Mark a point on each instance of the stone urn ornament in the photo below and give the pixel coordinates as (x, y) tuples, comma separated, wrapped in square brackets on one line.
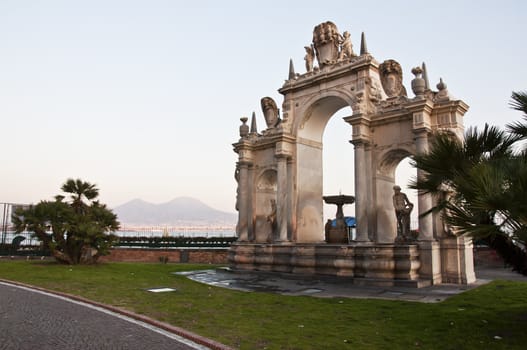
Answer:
[(418, 83), (244, 128)]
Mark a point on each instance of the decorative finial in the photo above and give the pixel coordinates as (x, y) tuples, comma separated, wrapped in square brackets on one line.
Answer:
[(292, 74), (443, 93), (441, 85), (253, 124), (425, 76), (363, 46), (417, 71), (418, 83), (244, 128)]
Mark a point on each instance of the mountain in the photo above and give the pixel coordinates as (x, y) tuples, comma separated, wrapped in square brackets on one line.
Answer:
[(182, 211)]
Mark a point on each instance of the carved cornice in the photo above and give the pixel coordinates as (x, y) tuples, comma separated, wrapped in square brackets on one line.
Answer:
[(263, 142), (328, 73), (457, 106)]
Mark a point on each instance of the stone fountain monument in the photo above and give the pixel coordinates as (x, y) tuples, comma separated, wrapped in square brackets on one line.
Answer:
[(279, 172)]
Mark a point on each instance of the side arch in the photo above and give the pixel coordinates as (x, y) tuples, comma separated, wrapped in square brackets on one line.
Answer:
[(384, 181)]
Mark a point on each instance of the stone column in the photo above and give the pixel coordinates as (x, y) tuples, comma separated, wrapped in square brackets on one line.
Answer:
[(291, 216), (429, 251), (426, 223), (243, 202), (281, 197), (361, 212)]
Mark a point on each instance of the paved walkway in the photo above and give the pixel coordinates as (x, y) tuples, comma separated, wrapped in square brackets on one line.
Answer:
[(32, 319)]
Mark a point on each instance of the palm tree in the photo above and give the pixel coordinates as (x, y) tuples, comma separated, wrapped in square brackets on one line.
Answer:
[(79, 190), (74, 232), (519, 103), (480, 186)]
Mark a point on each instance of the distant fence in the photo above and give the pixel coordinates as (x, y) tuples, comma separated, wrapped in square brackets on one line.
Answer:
[(176, 231), (175, 237)]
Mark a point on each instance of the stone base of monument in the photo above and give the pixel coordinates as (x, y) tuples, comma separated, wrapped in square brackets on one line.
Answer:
[(337, 235), (457, 255), (361, 263)]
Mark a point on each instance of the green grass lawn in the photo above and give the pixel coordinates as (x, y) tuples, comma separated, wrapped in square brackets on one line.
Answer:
[(493, 316)]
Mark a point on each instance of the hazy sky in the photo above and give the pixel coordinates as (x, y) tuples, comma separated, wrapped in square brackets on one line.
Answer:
[(143, 98)]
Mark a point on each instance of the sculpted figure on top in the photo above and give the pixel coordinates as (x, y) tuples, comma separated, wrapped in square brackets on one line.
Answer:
[(270, 111), (309, 58), (329, 46), (346, 49), (392, 78)]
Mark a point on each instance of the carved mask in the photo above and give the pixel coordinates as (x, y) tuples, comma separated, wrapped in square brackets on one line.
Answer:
[(270, 111)]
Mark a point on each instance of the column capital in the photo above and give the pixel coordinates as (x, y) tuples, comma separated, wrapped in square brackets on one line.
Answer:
[(244, 164), (422, 133), (283, 149), (282, 156), (358, 143)]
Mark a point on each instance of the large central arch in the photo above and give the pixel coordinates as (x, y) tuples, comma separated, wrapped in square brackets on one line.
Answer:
[(309, 160), (280, 171)]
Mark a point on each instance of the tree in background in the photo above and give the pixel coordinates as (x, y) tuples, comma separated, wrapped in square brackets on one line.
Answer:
[(77, 231), (480, 185)]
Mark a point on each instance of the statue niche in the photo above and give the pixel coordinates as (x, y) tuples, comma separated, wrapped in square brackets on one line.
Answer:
[(265, 221), (392, 78)]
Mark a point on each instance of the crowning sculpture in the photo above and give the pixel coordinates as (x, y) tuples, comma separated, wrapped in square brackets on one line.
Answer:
[(279, 173)]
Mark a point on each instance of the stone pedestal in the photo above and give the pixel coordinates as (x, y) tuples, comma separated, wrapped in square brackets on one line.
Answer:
[(364, 264), (430, 259), (457, 265), (337, 235)]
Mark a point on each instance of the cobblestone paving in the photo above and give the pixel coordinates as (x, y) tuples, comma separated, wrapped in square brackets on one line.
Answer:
[(32, 320)]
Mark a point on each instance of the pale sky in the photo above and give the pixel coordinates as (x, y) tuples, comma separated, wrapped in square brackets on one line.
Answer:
[(143, 98)]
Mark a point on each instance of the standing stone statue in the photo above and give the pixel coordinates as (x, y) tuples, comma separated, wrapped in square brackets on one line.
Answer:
[(237, 178), (309, 58), (403, 208), (346, 50), (271, 218)]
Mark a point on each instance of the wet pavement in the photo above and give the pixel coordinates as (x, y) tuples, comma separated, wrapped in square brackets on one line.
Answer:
[(288, 284)]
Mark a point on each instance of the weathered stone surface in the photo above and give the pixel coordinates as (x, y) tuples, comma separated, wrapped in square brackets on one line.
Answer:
[(283, 165)]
